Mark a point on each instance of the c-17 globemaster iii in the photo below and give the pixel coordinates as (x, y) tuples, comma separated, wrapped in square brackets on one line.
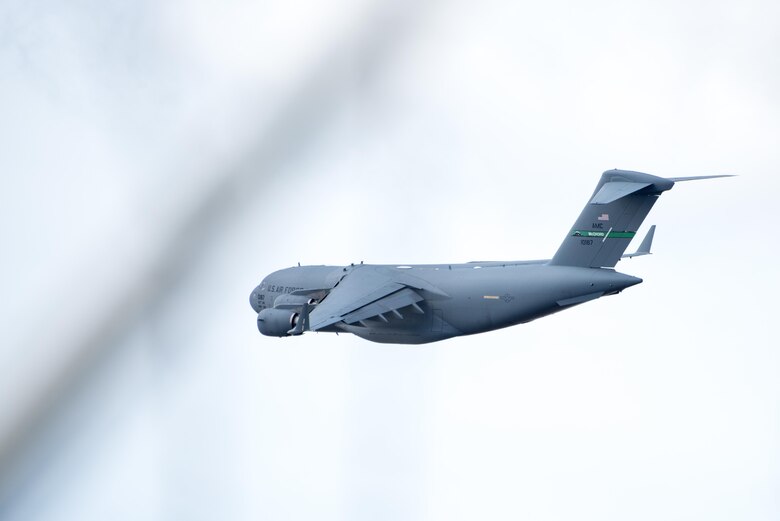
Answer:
[(416, 304)]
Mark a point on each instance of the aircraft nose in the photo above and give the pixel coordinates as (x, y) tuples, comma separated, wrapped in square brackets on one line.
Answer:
[(254, 299)]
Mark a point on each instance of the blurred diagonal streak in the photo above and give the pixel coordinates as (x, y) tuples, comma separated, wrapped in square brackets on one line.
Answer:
[(340, 72)]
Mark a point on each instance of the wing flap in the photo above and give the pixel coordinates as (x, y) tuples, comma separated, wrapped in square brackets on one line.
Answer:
[(393, 302)]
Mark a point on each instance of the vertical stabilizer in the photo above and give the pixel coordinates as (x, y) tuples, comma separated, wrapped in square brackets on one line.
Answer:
[(609, 221)]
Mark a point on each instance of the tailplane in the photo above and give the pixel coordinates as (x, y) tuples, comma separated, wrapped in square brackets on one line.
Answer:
[(609, 221)]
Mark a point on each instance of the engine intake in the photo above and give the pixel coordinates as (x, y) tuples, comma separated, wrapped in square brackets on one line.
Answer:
[(276, 322)]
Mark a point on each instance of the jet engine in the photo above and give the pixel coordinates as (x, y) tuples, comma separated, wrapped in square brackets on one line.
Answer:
[(276, 322)]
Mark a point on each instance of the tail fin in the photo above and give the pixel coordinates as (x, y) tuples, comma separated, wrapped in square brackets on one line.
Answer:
[(609, 221)]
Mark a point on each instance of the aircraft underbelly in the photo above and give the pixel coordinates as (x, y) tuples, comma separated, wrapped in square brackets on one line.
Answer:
[(501, 297)]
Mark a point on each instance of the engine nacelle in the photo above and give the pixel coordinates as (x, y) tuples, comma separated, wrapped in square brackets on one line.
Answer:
[(276, 322)]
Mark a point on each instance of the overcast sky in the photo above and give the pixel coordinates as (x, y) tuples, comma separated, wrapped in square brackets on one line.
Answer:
[(160, 160)]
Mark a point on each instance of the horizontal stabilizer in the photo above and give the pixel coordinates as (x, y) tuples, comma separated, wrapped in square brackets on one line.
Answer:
[(644, 248), (614, 190), (697, 177)]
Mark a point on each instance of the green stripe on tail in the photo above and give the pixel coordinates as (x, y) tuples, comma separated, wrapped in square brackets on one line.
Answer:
[(601, 235)]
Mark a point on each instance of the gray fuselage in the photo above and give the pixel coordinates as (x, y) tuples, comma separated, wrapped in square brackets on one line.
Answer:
[(470, 298)]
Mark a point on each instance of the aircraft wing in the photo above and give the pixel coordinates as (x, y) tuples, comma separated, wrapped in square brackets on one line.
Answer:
[(644, 248), (364, 292)]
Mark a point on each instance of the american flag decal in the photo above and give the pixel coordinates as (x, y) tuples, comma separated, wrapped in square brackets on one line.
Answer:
[(603, 217)]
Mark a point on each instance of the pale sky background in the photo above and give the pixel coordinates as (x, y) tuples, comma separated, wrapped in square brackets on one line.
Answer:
[(159, 159)]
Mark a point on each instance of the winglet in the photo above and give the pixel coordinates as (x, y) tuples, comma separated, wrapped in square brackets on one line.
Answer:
[(644, 248)]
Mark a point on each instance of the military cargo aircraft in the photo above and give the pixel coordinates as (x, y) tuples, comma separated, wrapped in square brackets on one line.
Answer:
[(416, 304)]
